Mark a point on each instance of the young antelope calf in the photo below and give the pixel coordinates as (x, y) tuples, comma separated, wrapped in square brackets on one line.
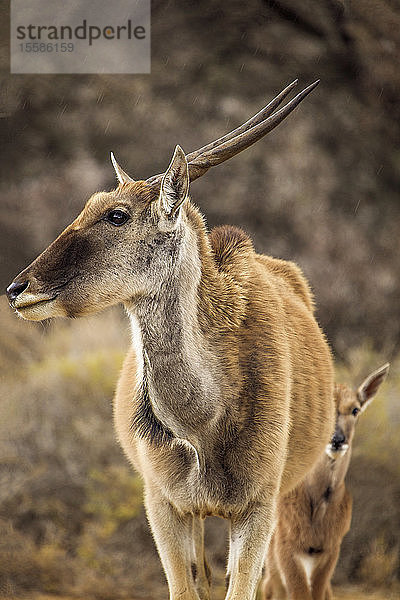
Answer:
[(225, 398), (314, 517)]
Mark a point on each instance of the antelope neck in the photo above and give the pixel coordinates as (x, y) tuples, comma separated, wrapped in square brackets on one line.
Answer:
[(178, 368)]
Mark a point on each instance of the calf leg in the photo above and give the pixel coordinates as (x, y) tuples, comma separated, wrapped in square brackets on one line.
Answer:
[(296, 582), (329, 593), (272, 587), (173, 538), (320, 583)]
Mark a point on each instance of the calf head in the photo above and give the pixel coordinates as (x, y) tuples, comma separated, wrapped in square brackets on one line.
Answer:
[(350, 404)]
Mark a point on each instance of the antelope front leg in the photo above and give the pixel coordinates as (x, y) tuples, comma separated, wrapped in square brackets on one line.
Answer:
[(200, 569), (173, 536), (250, 536)]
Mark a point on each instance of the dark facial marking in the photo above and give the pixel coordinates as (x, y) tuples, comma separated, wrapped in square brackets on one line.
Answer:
[(63, 261)]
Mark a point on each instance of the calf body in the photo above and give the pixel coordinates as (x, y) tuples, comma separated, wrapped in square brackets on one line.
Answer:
[(315, 516)]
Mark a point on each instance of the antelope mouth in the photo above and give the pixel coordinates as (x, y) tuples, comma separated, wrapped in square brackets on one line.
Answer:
[(31, 301), (335, 452)]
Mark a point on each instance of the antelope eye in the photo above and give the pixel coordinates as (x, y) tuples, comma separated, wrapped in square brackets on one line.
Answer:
[(117, 217), (355, 412)]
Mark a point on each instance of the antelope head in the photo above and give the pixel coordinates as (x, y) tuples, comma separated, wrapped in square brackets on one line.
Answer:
[(125, 243), (350, 404)]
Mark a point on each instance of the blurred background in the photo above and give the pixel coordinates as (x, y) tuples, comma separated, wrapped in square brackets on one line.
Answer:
[(322, 190)]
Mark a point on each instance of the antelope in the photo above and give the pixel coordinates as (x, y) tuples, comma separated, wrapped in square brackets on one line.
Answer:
[(225, 398), (315, 516)]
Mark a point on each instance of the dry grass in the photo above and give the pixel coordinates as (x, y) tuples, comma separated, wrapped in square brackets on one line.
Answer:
[(322, 190), (345, 593), (71, 520)]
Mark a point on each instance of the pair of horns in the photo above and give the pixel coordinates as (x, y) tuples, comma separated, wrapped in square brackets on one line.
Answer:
[(218, 151)]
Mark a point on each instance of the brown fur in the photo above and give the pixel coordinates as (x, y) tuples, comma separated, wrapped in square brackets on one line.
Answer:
[(316, 515), (225, 398)]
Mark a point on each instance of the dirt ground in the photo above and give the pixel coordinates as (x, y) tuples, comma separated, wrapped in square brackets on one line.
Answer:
[(353, 593), (347, 593)]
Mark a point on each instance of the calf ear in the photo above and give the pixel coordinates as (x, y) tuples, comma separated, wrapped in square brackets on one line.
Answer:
[(174, 185), (369, 387)]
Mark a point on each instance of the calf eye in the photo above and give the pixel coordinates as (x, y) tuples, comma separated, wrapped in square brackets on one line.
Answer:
[(355, 412), (117, 217)]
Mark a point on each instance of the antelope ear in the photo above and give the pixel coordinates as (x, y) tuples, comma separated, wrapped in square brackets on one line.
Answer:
[(174, 185), (369, 387), (120, 173)]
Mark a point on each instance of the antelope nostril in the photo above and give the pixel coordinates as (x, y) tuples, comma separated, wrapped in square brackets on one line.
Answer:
[(15, 289), (338, 439)]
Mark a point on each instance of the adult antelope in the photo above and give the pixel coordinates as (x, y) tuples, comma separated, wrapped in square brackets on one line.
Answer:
[(225, 397), (315, 516)]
